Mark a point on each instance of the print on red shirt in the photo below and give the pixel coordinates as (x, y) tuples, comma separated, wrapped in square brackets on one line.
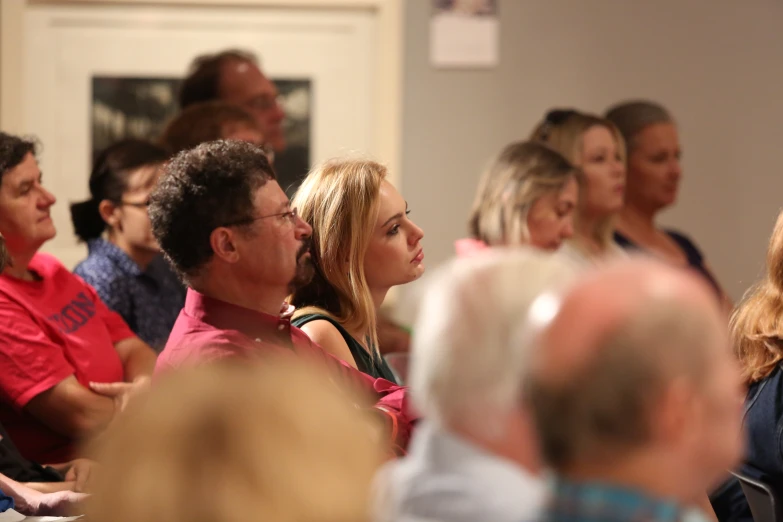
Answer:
[(74, 315), (51, 329)]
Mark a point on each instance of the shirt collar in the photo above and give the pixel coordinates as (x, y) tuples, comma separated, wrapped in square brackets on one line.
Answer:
[(446, 451), (257, 325), (607, 502), (101, 247)]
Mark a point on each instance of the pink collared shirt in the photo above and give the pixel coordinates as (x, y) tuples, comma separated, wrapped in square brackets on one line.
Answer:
[(209, 330)]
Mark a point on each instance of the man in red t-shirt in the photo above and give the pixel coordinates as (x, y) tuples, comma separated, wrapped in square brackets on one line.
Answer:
[(225, 224), (56, 336)]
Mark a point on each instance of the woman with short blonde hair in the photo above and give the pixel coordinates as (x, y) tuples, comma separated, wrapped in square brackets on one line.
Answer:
[(238, 442), (363, 243), (526, 196), (595, 146)]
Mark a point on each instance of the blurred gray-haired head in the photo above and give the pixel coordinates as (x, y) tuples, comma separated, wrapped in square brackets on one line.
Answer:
[(470, 351), (632, 117)]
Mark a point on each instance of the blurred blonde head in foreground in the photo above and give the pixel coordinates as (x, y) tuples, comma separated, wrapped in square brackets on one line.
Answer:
[(236, 443)]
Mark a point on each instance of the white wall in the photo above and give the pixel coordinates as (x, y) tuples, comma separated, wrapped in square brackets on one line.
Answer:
[(716, 64)]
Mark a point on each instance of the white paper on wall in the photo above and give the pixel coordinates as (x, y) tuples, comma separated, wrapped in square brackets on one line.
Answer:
[(464, 33)]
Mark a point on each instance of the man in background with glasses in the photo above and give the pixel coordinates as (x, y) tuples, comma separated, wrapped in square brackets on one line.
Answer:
[(234, 76)]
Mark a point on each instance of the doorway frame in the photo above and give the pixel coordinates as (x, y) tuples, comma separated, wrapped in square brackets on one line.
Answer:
[(388, 72)]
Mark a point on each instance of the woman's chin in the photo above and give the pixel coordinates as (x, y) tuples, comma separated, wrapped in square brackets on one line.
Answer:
[(411, 276), (667, 201), (49, 231), (44, 236)]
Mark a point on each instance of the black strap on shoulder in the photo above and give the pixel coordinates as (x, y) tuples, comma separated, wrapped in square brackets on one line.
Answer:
[(308, 318)]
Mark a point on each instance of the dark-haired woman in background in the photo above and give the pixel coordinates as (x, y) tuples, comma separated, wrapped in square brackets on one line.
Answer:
[(125, 265), (61, 347)]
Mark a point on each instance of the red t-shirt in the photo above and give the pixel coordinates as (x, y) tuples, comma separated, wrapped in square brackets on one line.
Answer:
[(51, 329)]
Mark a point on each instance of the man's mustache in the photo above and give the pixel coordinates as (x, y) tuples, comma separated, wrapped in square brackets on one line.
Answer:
[(305, 248)]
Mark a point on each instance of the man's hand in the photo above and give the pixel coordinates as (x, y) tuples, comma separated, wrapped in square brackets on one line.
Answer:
[(34, 503), (79, 474), (121, 392), (58, 504), (76, 474)]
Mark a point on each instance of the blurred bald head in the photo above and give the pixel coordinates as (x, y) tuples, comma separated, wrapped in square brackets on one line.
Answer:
[(636, 357), (628, 296)]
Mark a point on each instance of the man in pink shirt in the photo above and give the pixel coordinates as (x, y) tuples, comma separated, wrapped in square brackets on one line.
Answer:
[(227, 227)]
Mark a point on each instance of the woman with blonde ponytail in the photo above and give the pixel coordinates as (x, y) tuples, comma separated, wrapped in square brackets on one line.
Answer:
[(757, 336), (363, 243), (595, 146)]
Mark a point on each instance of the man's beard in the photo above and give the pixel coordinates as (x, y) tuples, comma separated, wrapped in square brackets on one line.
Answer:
[(304, 268), (5, 257)]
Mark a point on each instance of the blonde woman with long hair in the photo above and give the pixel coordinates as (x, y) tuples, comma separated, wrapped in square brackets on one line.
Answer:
[(526, 196), (238, 442), (595, 146), (757, 336), (363, 243)]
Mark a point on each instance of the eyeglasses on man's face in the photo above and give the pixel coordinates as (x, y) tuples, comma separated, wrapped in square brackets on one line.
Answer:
[(135, 204), (291, 215), (264, 102)]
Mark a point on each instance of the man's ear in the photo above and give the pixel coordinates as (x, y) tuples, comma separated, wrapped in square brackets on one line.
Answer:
[(110, 213), (223, 243), (675, 413)]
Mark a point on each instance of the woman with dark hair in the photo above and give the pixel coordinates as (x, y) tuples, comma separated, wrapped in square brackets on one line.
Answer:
[(125, 265), (62, 349), (210, 121)]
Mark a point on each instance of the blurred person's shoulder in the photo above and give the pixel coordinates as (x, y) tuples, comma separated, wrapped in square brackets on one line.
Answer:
[(446, 479)]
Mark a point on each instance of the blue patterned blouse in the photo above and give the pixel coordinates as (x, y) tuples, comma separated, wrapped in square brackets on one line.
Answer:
[(149, 301)]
